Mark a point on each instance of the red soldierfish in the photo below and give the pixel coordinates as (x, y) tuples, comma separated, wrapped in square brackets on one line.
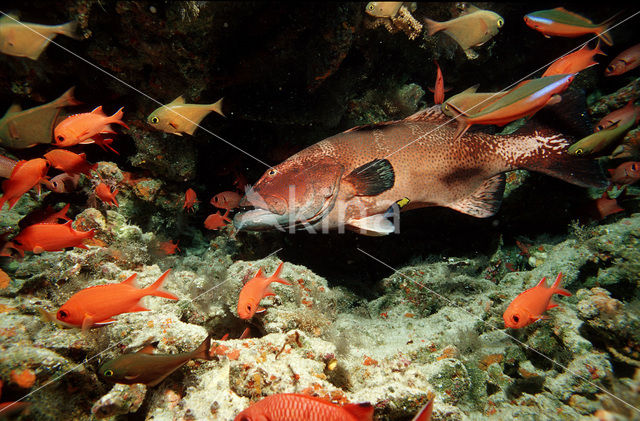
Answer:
[(353, 178), (106, 195), (524, 100), (24, 176), (621, 117), (627, 60), (574, 62), (438, 89), (528, 307), (190, 199), (70, 162), (560, 22), (226, 200), (49, 237), (216, 220), (255, 290), (80, 128), (625, 173), (95, 306), (294, 406)]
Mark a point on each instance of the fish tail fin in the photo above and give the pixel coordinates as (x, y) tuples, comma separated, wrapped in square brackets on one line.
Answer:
[(154, 289), (547, 152), (203, 352), (67, 99), (598, 50), (556, 287), (603, 30), (69, 29), (432, 26), (117, 118), (217, 107), (276, 275)]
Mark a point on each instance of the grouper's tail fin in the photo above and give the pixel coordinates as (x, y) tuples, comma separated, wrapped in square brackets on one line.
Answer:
[(546, 152)]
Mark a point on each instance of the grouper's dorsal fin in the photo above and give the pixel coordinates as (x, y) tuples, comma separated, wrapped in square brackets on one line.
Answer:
[(371, 126), (485, 201), (433, 114)]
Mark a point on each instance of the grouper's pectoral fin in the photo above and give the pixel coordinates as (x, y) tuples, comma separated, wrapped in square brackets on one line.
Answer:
[(485, 201), (374, 225), (372, 178)]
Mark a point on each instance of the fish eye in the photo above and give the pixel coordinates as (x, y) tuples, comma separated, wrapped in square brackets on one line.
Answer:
[(500, 23), (272, 172), (600, 127), (108, 373), (609, 68), (62, 314), (634, 167), (155, 120), (60, 138), (370, 6), (446, 107), (579, 151), (516, 319)]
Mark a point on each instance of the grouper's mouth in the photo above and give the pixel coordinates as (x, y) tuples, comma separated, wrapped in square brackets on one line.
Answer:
[(258, 218)]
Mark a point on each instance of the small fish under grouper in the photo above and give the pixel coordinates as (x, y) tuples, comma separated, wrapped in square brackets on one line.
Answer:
[(148, 368), (352, 179)]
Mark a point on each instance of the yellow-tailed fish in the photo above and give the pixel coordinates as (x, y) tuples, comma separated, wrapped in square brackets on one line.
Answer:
[(599, 140), (470, 101), (472, 29), (524, 100), (148, 368), (24, 128), (22, 39), (178, 117), (383, 9)]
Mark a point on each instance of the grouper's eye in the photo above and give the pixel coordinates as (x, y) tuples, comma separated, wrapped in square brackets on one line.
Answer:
[(108, 373), (62, 314), (155, 120)]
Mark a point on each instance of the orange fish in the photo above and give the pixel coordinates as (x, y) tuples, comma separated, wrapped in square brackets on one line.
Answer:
[(65, 183), (621, 116), (574, 62), (560, 22), (226, 200), (168, 247), (294, 406), (106, 195), (96, 306), (625, 173), (70, 162), (24, 176), (627, 60), (524, 100), (215, 220), (528, 307), (45, 216), (80, 128), (104, 143), (49, 237), (438, 90), (190, 199), (255, 290)]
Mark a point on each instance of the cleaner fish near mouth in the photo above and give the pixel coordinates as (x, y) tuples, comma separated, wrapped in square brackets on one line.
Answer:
[(354, 178)]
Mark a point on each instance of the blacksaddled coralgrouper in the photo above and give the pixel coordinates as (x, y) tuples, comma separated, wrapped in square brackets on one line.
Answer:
[(352, 179)]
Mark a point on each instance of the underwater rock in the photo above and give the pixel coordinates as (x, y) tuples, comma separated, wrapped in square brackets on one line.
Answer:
[(122, 399)]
